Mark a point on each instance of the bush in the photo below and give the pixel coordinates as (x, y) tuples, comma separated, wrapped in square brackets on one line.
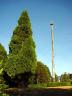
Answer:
[(2, 94), (71, 81), (3, 86)]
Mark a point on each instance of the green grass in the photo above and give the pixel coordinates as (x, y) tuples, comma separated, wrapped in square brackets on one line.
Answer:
[(50, 84), (55, 84), (40, 85)]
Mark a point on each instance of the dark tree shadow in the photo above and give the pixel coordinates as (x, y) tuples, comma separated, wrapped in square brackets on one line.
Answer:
[(39, 92)]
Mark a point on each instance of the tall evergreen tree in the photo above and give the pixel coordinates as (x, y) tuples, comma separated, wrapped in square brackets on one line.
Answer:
[(22, 56), (21, 33)]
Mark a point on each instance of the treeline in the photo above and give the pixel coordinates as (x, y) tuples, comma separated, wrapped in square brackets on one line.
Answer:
[(20, 67), (66, 77)]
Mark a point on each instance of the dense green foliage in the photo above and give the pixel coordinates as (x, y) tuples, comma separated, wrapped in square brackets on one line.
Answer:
[(70, 76), (3, 53), (56, 78), (3, 86), (3, 58), (21, 33), (65, 77), (21, 61), (42, 73), (22, 56), (3, 94)]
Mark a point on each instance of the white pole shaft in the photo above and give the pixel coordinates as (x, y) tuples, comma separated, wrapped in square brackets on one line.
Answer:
[(53, 66)]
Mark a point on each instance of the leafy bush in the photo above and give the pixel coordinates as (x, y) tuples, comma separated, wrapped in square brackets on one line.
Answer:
[(2, 94), (3, 86), (43, 74)]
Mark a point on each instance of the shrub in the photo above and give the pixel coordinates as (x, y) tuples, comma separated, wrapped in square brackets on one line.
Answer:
[(3, 94), (3, 86)]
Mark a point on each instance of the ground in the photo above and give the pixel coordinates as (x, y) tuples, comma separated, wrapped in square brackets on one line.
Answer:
[(50, 91)]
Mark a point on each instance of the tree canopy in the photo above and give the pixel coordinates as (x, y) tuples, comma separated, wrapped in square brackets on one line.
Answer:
[(43, 73), (21, 33), (3, 53), (65, 77), (22, 55), (56, 78)]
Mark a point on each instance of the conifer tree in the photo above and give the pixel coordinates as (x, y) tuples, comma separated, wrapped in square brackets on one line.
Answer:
[(3, 53), (21, 33), (22, 56)]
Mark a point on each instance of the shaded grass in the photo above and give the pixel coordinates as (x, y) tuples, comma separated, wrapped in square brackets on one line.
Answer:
[(39, 92)]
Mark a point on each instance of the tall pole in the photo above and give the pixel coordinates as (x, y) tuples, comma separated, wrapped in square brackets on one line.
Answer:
[(53, 65)]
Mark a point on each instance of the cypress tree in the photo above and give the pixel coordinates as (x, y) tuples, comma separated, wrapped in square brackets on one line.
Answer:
[(22, 56), (21, 33), (3, 53)]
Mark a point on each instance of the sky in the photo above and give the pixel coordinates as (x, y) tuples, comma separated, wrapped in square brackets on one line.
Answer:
[(41, 13)]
